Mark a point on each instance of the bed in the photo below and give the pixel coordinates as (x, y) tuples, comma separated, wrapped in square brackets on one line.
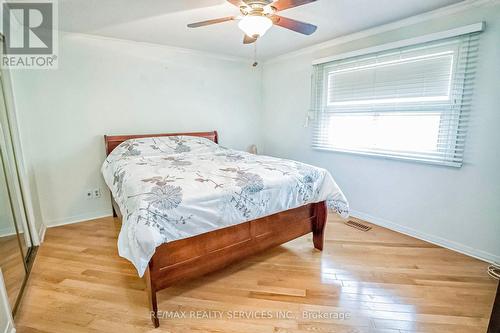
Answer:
[(189, 206)]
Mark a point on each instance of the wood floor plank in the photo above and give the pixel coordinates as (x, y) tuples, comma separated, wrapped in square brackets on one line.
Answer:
[(380, 282), (12, 266)]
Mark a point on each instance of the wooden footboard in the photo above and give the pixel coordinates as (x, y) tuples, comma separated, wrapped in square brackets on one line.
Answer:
[(195, 256)]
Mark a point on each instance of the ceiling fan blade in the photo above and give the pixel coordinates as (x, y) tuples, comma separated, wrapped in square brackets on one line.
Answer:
[(298, 26), (286, 4), (237, 3), (209, 22), (249, 40)]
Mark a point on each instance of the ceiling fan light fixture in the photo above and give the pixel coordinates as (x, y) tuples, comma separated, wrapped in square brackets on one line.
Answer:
[(255, 25)]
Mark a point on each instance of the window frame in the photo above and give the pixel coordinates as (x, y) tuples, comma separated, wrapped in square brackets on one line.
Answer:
[(448, 150)]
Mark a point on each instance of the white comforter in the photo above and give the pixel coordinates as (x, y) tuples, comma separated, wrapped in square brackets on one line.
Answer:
[(170, 188)]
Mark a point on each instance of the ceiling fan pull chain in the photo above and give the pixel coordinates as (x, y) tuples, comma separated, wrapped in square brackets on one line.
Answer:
[(255, 62)]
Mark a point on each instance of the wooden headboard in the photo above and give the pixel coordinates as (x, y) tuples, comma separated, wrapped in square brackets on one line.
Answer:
[(112, 141)]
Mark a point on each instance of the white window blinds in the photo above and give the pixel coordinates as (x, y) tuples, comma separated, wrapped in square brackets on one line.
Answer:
[(409, 103)]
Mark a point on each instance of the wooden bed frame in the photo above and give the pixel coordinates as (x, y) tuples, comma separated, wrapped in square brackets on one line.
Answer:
[(198, 255)]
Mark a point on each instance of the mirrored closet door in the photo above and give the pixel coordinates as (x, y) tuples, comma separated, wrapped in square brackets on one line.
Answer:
[(16, 243), (12, 246)]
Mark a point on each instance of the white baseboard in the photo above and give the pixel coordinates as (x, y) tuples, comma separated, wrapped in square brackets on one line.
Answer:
[(4, 232), (79, 218), (41, 233), (446, 243)]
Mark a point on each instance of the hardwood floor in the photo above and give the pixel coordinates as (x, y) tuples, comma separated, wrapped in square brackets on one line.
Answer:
[(12, 265), (380, 280)]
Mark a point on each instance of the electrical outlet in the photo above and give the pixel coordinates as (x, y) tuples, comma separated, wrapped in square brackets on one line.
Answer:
[(89, 194), (97, 193)]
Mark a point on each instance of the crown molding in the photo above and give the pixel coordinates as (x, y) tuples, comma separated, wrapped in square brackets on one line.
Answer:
[(448, 10), (471, 28), (213, 55)]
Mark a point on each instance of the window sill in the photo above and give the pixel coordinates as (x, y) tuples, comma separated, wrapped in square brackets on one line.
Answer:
[(392, 157)]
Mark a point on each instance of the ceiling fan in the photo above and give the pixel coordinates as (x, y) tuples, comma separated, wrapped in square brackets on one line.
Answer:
[(258, 16)]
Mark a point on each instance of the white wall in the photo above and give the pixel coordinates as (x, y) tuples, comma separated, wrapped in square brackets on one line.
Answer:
[(6, 219), (458, 208), (106, 86)]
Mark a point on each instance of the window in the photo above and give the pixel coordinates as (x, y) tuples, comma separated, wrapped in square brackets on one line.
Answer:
[(408, 103)]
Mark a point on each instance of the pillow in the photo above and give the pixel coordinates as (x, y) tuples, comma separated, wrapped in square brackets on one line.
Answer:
[(154, 146)]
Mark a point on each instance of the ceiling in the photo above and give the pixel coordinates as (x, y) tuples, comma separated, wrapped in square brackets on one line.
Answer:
[(164, 22)]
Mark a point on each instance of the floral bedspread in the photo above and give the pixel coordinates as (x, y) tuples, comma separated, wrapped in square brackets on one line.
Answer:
[(170, 188)]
